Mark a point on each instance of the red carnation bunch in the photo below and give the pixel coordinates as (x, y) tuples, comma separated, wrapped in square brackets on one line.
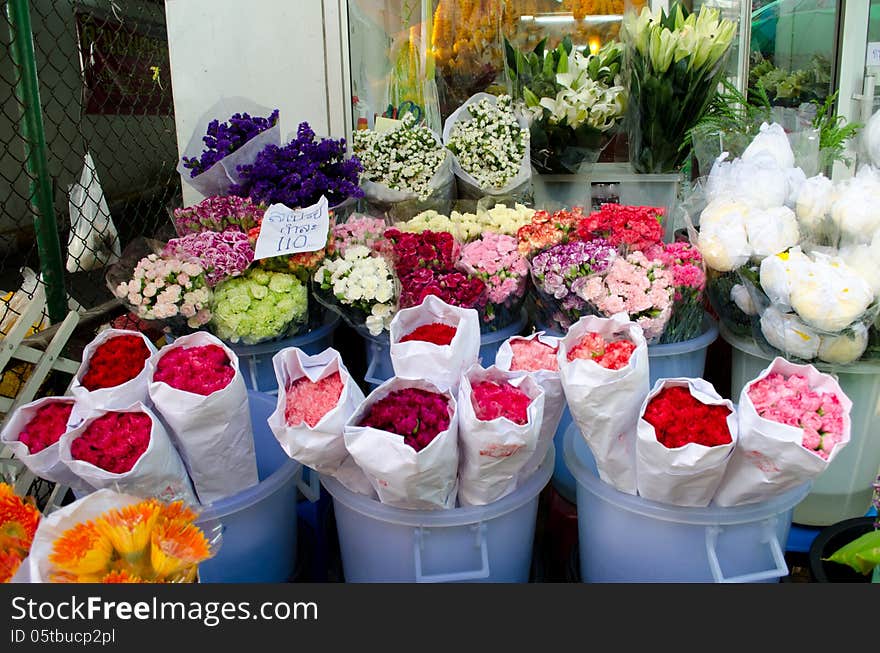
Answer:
[(635, 227), (418, 415), (679, 418), (115, 362), (492, 400), (435, 333), (114, 442), (47, 426), (201, 370), (612, 355)]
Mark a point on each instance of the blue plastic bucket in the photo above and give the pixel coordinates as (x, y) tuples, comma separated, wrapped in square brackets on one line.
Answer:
[(489, 544), (625, 538), (259, 523), (682, 359), (380, 369)]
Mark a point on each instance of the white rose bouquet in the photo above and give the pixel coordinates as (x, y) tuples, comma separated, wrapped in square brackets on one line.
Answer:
[(465, 227), (361, 286)]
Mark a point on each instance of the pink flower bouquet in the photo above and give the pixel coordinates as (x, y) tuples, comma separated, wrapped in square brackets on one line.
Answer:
[(499, 427), (404, 436), (638, 286), (198, 389), (610, 354), (33, 432), (496, 261), (316, 396), (793, 422), (127, 450), (537, 355)]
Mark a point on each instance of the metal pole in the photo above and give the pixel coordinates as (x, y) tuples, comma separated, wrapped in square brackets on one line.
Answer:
[(27, 90)]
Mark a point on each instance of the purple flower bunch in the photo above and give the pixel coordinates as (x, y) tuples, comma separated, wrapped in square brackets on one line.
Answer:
[(297, 174), (222, 254), (222, 139), (559, 272), (218, 213)]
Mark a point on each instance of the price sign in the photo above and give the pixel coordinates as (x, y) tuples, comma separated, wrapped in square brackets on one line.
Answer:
[(292, 231)]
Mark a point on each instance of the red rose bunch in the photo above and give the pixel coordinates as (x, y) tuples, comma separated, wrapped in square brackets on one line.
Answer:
[(613, 355), (435, 250), (492, 400), (115, 362), (454, 288), (200, 370), (418, 415), (46, 426), (635, 227), (114, 442), (679, 419), (547, 229), (436, 333)]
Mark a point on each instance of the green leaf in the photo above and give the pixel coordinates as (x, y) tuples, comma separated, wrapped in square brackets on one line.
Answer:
[(567, 45), (539, 49), (549, 66), (531, 99), (862, 554)]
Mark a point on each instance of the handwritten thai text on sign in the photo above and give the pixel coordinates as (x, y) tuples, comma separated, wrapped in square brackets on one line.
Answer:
[(292, 231)]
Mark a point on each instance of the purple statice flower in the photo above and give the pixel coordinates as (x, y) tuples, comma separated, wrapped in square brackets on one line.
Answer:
[(222, 139), (218, 213), (297, 174), (222, 254)]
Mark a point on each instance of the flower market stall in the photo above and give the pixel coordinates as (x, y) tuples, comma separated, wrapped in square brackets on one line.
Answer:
[(427, 326)]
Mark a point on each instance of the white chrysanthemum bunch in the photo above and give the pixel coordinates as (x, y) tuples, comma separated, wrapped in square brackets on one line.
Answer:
[(491, 145)]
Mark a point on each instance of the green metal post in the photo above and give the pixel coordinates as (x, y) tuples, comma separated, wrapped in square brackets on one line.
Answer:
[(27, 90)]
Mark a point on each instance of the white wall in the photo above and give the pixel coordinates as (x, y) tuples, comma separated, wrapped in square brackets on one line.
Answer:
[(273, 52)]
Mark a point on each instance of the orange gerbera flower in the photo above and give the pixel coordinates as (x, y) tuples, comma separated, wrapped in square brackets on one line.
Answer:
[(121, 576), (177, 547), (10, 561), (129, 528), (82, 550), (18, 521), (177, 510)]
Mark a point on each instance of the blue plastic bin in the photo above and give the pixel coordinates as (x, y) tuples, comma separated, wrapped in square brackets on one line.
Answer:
[(682, 359), (380, 369), (259, 523), (489, 544)]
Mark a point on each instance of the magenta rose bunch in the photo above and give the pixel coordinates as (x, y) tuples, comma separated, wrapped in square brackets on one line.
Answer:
[(114, 442), (201, 370)]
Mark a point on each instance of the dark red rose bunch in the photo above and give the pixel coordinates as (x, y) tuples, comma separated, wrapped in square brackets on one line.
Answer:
[(679, 418), (115, 362), (436, 333)]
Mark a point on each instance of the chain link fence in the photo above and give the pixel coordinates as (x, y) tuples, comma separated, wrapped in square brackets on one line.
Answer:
[(103, 76)]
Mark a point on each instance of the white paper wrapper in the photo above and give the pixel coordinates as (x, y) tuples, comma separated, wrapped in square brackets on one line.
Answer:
[(605, 403), (689, 475), (321, 447), (554, 397), (217, 179), (36, 568), (401, 476), (213, 434), (469, 186), (770, 457), (492, 453), (159, 472), (120, 396), (441, 365), (46, 463)]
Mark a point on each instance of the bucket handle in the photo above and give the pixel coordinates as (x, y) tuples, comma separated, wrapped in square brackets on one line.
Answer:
[(370, 374), (769, 538), (419, 535), (312, 489)]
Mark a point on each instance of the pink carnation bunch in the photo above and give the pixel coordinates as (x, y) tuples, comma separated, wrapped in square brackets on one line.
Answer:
[(493, 399), (222, 255), (533, 355), (495, 260), (638, 286), (610, 354), (218, 213), (362, 230), (47, 426), (308, 402), (201, 370), (418, 415), (791, 401), (114, 442)]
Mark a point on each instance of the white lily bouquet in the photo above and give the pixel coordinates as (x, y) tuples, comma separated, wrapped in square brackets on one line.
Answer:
[(407, 162), (491, 147)]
